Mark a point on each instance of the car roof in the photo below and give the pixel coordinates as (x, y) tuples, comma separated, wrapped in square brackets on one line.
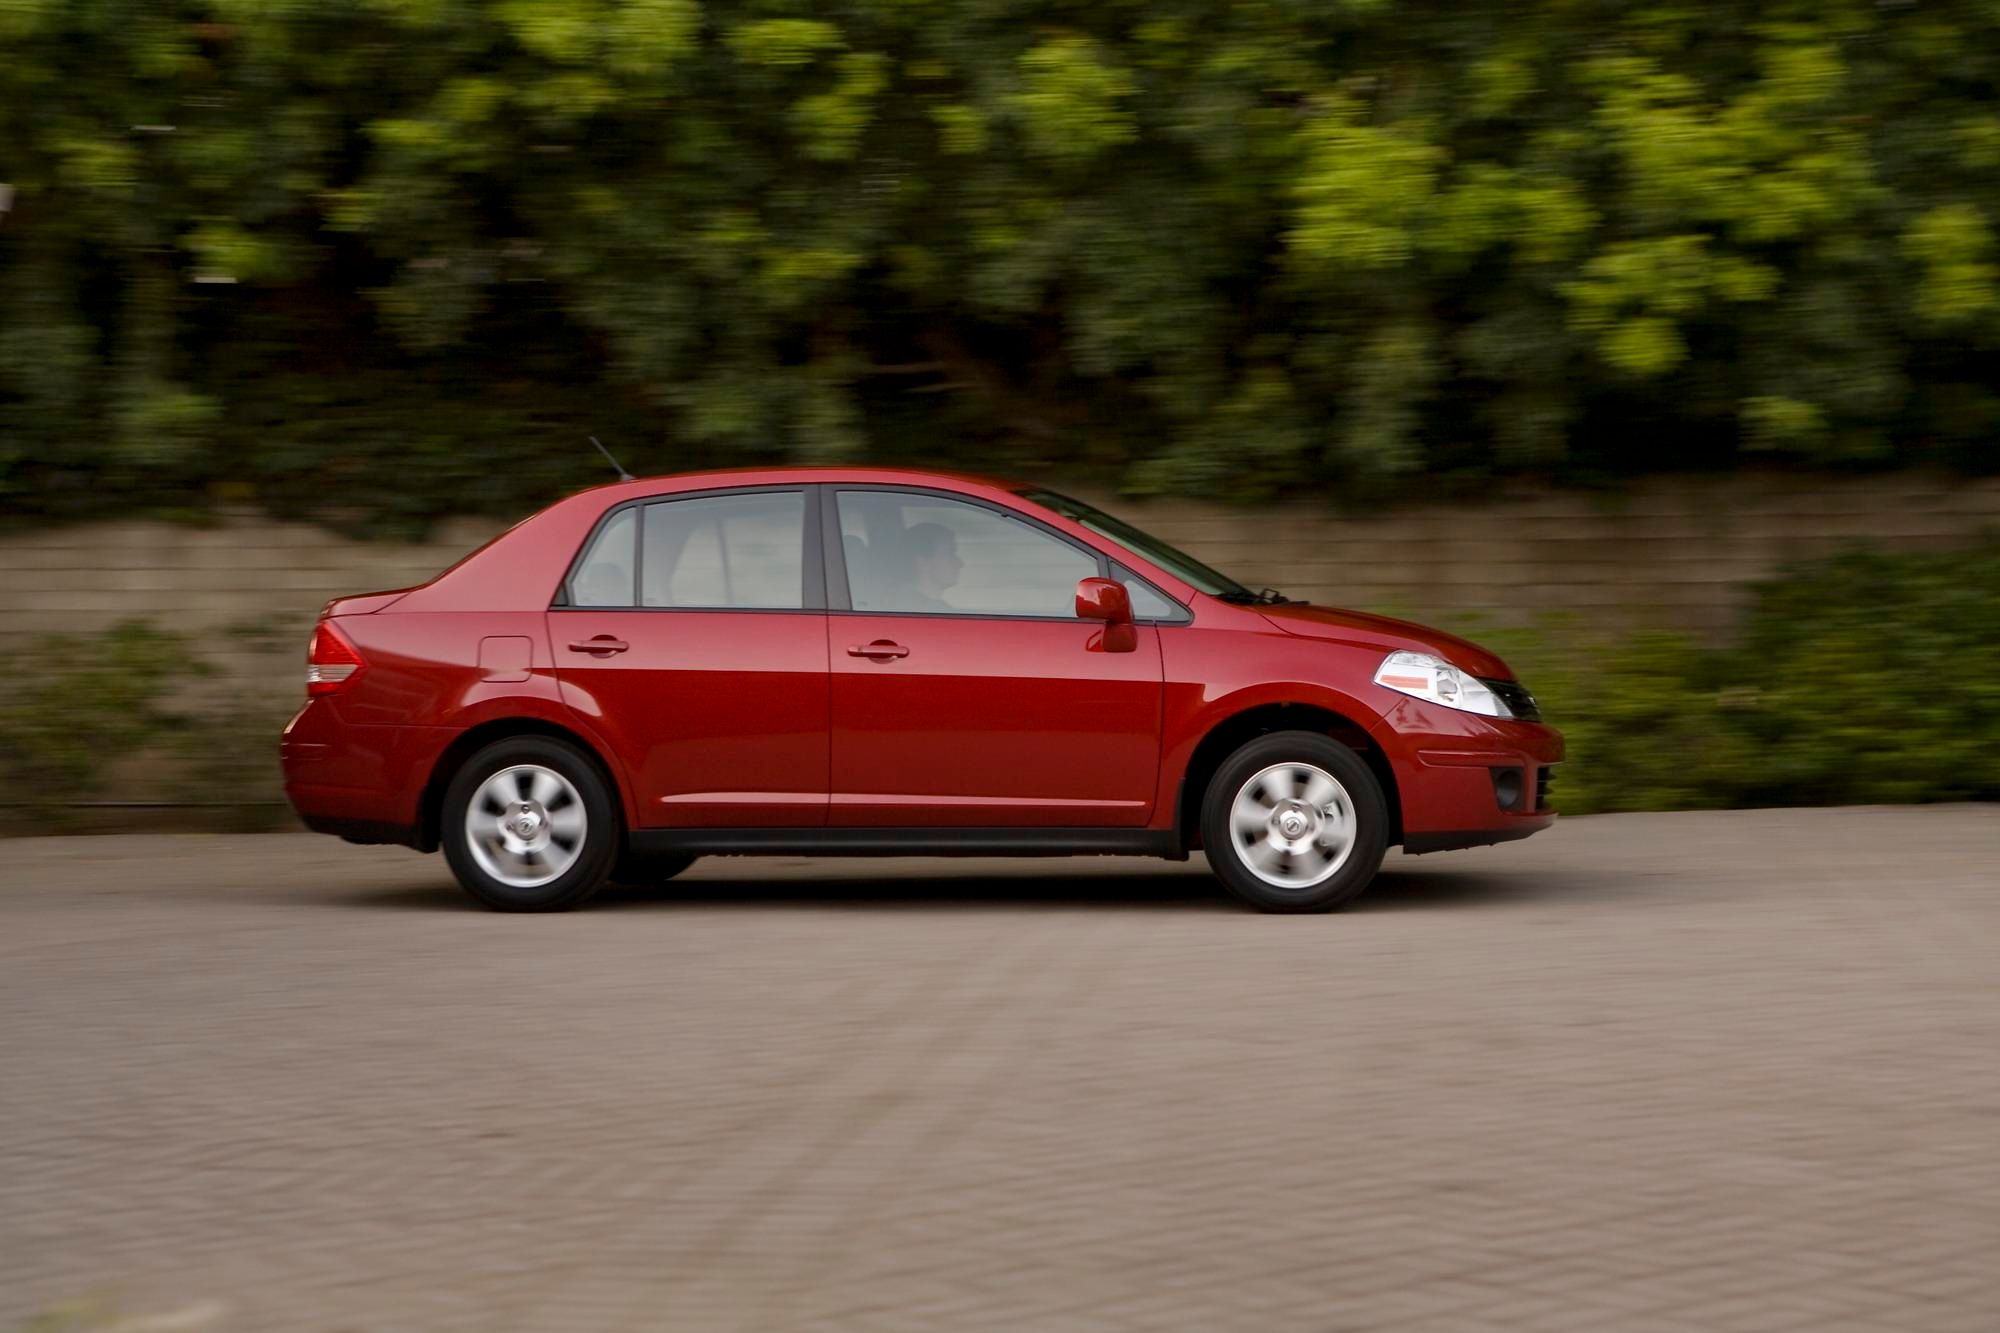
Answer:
[(493, 577), (807, 472)]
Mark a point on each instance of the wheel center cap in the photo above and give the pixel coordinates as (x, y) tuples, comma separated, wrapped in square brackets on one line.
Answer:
[(1292, 823), (526, 823)]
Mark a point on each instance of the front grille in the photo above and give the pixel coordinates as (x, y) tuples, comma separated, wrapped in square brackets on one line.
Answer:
[(1545, 778), (1515, 695)]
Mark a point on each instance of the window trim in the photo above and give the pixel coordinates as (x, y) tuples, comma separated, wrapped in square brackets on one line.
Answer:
[(812, 571), (839, 599)]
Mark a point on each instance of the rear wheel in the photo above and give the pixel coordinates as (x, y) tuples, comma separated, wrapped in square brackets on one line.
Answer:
[(529, 825), (1294, 822)]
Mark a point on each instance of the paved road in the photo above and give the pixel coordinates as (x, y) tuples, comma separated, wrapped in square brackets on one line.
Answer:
[(1672, 1072)]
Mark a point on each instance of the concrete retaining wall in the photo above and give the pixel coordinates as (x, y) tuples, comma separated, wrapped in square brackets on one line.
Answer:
[(1672, 552)]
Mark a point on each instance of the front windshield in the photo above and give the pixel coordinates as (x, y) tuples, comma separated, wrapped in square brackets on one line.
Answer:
[(1141, 544)]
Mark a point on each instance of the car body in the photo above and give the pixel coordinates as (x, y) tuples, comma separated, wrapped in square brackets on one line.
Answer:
[(795, 660)]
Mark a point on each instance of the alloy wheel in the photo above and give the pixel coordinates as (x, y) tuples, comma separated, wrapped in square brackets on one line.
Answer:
[(1293, 825), (525, 825)]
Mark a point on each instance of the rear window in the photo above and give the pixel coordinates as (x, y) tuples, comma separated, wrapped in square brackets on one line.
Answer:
[(738, 552), (606, 575)]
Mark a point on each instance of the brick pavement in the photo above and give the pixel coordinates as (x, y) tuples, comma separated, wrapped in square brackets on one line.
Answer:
[(1667, 1072)]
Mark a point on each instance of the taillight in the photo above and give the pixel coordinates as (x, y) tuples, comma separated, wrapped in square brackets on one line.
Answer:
[(331, 661)]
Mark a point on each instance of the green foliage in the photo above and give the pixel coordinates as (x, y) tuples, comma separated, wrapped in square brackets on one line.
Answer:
[(1364, 191), (1862, 679), (1952, 247), (136, 713), (1874, 679), (70, 707), (384, 261), (1072, 100), (1641, 719)]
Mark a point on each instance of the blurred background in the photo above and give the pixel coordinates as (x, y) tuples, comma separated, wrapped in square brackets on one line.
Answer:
[(1654, 345)]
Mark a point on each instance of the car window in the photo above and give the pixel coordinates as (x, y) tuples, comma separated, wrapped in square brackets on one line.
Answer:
[(605, 576), (1147, 602), (739, 551), (924, 553)]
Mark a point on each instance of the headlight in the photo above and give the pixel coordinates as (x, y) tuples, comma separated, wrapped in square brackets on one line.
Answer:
[(1424, 676)]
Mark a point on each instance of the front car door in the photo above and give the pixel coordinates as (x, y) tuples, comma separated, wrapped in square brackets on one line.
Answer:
[(966, 692), (692, 633)]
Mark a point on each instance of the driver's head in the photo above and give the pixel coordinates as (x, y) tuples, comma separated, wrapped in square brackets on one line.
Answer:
[(934, 551)]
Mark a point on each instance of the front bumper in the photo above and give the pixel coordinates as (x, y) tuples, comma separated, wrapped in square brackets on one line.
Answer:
[(1464, 780)]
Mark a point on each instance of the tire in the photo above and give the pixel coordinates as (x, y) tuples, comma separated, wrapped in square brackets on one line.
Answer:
[(643, 872), (1312, 828), (547, 789)]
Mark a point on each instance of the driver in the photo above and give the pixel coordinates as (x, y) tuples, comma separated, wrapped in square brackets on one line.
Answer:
[(934, 557)]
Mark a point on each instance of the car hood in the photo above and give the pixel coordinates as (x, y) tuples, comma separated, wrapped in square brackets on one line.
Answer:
[(1386, 633)]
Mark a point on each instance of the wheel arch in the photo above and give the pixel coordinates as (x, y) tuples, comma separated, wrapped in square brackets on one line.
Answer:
[(430, 806), (1230, 733)]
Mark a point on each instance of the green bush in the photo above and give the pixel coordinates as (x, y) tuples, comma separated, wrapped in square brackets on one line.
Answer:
[(1873, 678), (84, 714), (1865, 678), (70, 706), (1640, 718)]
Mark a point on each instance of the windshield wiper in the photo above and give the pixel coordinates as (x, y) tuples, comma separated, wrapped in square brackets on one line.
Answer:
[(1244, 597)]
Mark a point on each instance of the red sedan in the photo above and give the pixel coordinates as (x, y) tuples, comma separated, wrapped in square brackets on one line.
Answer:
[(882, 661)]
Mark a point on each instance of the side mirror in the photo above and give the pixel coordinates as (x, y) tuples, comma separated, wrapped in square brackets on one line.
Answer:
[(1107, 600)]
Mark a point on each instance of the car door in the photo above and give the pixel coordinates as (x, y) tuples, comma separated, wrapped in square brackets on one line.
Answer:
[(692, 633), (966, 692)]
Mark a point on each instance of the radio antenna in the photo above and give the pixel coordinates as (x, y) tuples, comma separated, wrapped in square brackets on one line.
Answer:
[(623, 475)]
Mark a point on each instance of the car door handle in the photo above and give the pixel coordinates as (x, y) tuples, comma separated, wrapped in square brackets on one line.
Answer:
[(881, 650), (601, 646)]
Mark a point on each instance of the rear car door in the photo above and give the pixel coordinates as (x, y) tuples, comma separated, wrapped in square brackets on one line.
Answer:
[(966, 692), (692, 633)]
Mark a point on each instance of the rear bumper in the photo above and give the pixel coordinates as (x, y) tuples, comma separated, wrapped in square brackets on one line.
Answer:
[(361, 783), (364, 830), (1467, 781)]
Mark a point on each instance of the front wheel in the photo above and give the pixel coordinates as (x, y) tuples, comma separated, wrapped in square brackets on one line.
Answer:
[(529, 826), (1294, 822)]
